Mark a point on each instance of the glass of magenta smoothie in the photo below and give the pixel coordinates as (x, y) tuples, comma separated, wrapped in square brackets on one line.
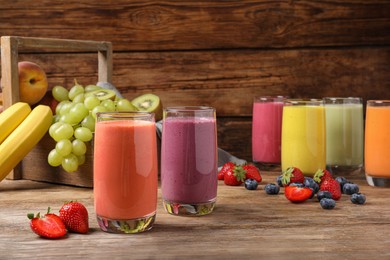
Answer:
[(267, 131), (344, 135), (125, 171), (377, 143), (189, 160), (303, 135)]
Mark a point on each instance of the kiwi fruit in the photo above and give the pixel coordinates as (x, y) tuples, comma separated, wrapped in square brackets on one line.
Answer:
[(149, 103), (102, 94)]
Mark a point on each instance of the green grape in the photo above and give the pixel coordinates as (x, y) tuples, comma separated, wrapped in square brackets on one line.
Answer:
[(79, 98), (69, 119), (56, 118), (64, 147), (78, 112), (91, 102), (74, 91), (78, 147), (108, 104), (54, 158), (89, 122), (90, 88), (60, 93), (65, 108), (62, 131), (125, 105), (83, 134), (70, 163), (54, 127), (98, 109), (81, 159), (60, 105)]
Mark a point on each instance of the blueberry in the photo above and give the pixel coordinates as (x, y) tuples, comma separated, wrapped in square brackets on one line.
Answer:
[(358, 198), (350, 188), (271, 188), (251, 184), (310, 183), (279, 181), (342, 181), (297, 184), (324, 194), (327, 203)]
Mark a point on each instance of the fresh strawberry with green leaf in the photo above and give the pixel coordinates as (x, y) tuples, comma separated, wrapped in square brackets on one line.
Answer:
[(75, 216), (297, 194), (235, 176), (333, 187), (252, 172), (226, 167), (292, 174), (322, 175), (49, 226)]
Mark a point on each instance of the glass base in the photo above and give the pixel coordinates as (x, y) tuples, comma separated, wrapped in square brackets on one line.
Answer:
[(181, 209), (346, 171), (126, 226), (267, 166), (378, 181)]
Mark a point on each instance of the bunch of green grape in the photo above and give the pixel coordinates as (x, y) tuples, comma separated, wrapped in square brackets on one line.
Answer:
[(74, 123)]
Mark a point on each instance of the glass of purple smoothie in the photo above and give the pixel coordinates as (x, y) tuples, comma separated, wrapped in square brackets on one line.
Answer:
[(189, 160)]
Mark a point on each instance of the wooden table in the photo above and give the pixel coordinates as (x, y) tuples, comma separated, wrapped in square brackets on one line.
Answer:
[(245, 224)]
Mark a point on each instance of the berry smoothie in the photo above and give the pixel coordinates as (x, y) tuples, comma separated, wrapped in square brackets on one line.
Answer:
[(189, 160), (266, 131), (125, 169)]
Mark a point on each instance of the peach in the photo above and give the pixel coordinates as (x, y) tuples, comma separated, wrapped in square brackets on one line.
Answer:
[(32, 82)]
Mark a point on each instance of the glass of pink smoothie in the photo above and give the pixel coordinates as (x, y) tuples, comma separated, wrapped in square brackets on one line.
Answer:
[(125, 171), (189, 160), (267, 131)]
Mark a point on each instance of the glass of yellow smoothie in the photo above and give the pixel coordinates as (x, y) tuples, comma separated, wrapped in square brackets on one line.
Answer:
[(377, 143), (344, 135), (303, 135)]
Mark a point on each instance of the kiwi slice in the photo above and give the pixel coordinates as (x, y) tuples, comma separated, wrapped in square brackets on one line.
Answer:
[(150, 103), (102, 94)]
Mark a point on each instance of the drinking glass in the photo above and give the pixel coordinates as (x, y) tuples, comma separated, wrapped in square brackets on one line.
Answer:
[(303, 135), (377, 143), (125, 171), (267, 131), (344, 134), (189, 160)]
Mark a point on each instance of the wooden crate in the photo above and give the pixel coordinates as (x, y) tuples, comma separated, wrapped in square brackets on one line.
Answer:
[(34, 166)]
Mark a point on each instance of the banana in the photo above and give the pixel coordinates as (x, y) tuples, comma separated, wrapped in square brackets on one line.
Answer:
[(23, 139), (12, 117)]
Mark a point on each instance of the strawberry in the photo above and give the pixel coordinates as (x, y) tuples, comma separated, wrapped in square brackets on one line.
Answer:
[(333, 187), (49, 226), (226, 167), (234, 176), (297, 194), (292, 174), (252, 172), (322, 175), (75, 217)]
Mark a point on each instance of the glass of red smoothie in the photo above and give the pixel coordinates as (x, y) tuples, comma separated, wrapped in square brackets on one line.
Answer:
[(189, 160), (125, 171), (267, 131)]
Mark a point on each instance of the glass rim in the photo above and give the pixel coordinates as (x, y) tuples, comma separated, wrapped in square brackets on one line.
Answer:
[(125, 115), (189, 109), (342, 98), (304, 101), (270, 98), (378, 102)]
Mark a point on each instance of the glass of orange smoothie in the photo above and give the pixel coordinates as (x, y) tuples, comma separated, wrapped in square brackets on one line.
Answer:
[(125, 171), (377, 143), (303, 135)]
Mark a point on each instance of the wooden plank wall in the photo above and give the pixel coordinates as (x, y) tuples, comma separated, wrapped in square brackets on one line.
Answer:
[(217, 53)]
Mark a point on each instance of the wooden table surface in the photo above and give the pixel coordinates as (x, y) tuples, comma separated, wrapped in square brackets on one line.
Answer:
[(245, 225)]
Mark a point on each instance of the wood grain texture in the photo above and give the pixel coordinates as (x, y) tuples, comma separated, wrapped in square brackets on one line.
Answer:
[(245, 225), (172, 25)]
